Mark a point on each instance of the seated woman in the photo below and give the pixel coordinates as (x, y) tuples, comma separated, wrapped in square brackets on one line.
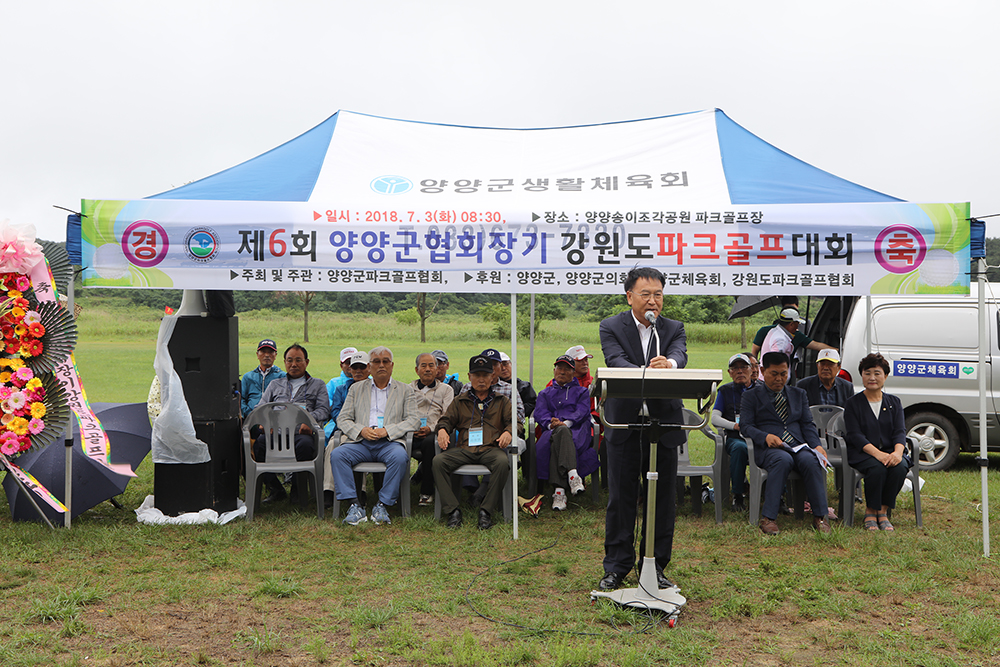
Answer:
[(564, 451), (876, 440)]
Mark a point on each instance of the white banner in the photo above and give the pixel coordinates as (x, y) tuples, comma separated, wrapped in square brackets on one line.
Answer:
[(819, 249)]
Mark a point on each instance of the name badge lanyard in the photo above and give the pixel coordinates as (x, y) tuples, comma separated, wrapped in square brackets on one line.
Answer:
[(476, 434)]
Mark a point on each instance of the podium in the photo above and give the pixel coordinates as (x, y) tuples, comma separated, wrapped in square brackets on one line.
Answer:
[(653, 383)]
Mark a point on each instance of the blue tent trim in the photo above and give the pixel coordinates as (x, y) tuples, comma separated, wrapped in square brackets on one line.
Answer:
[(759, 173), (285, 173)]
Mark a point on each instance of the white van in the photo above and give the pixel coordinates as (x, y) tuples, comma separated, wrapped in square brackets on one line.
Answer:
[(932, 346)]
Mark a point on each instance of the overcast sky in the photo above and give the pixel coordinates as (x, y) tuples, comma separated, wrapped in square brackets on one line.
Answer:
[(122, 100)]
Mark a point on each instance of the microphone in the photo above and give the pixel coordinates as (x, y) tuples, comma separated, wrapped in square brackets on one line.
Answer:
[(651, 318)]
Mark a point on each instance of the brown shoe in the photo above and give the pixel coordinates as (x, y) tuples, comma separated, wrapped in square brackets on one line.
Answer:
[(768, 526), (820, 524)]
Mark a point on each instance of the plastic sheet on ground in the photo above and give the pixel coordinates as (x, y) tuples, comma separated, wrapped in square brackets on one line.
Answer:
[(149, 514)]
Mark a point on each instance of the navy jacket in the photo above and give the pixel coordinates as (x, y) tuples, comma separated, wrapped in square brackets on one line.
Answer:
[(862, 427), (622, 348), (758, 417), (841, 387)]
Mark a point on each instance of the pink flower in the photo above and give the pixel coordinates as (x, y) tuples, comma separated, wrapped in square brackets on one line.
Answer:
[(31, 316), (35, 426), (24, 374), (18, 250), (17, 400), (10, 447), (23, 283)]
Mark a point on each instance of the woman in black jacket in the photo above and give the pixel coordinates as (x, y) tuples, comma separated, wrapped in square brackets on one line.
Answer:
[(876, 439)]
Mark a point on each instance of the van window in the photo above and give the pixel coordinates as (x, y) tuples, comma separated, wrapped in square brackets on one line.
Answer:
[(926, 326)]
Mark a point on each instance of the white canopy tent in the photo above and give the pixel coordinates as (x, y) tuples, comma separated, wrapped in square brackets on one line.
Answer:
[(367, 203)]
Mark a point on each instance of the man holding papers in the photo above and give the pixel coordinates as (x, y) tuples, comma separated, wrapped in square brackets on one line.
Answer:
[(777, 418)]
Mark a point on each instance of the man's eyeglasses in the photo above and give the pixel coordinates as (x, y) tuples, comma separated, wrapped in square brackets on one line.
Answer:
[(647, 296), (381, 362)]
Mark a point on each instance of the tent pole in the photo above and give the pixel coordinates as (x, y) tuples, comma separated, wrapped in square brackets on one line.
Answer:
[(531, 345), (68, 468), (868, 323), (984, 342), (513, 407)]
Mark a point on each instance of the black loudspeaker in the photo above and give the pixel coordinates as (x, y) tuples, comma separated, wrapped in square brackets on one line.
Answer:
[(180, 487), (205, 352)]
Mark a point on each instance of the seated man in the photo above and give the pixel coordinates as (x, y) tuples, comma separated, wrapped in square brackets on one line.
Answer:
[(524, 389), (433, 398), (565, 454), (777, 418), (442, 372), (377, 415), (253, 383), (825, 388), (339, 381), (726, 416), (482, 419), (296, 387)]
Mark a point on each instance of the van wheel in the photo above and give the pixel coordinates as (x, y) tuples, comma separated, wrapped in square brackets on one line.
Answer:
[(937, 440)]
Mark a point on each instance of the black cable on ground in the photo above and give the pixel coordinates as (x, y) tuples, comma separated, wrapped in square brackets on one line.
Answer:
[(651, 621)]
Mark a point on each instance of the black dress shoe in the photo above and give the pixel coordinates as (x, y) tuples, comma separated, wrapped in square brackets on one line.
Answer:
[(663, 582), (277, 495), (455, 519), (611, 581), (485, 520)]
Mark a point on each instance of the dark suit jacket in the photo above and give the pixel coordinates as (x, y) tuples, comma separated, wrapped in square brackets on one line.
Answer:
[(841, 387), (862, 427), (758, 417), (622, 348)]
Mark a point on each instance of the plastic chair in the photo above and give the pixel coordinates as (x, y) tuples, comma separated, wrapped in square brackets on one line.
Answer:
[(852, 478), (476, 470), (822, 416), (376, 467), (531, 460), (836, 452), (279, 423), (757, 478), (717, 471)]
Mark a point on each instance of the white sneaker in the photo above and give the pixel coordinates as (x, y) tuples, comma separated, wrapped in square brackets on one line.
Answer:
[(559, 501), (576, 485)]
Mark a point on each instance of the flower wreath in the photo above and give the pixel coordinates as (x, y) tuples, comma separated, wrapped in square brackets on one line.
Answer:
[(22, 396)]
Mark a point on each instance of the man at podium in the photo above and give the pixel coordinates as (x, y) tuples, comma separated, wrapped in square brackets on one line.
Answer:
[(626, 341)]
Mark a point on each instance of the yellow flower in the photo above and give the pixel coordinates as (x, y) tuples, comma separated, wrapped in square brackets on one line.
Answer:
[(37, 410), (20, 330), (17, 311), (14, 294), (5, 377), (33, 383), (18, 425)]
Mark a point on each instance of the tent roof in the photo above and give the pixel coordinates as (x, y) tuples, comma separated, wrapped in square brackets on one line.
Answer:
[(754, 171)]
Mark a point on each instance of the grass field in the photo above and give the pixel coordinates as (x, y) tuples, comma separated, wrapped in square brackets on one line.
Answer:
[(289, 589)]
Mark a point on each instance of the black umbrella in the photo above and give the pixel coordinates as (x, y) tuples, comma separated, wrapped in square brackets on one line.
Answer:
[(746, 306), (127, 426)]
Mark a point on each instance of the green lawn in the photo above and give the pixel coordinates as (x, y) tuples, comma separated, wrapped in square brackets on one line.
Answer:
[(289, 589)]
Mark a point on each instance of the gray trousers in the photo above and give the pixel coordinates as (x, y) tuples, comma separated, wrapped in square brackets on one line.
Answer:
[(562, 457)]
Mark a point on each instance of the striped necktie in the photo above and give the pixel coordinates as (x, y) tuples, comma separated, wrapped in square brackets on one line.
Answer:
[(781, 407)]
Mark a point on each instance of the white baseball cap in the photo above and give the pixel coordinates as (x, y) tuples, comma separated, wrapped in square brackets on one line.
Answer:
[(504, 356), (739, 357), (577, 352), (347, 353), (789, 315), (360, 358), (828, 354)]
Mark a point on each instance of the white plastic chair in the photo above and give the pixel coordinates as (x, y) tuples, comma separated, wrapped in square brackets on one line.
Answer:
[(280, 423), (717, 471)]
